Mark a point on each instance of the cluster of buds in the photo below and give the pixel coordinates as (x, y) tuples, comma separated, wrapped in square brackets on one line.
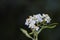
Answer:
[(33, 21)]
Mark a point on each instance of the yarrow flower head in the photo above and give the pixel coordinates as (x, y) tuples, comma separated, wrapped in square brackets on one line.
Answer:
[(37, 23), (35, 19)]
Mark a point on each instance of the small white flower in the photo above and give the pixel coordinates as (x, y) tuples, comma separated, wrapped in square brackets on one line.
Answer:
[(37, 28), (31, 25), (27, 22), (33, 22), (46, 18), (38, 17), (44, 15)]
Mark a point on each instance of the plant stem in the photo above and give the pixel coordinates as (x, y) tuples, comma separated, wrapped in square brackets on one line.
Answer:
[(40, 30), (37, 37), (34, 36)]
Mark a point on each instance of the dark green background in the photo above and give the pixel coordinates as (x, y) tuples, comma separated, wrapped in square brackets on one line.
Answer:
[(14, 12)]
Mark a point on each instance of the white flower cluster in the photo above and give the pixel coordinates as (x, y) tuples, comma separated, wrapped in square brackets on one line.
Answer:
[(32, 20)]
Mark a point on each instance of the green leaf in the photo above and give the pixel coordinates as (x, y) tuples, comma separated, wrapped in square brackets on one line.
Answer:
[(54, 24), (26, 33), (51, 26)]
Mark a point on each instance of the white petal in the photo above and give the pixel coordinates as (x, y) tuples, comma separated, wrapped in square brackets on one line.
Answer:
[(33, 22), (44, 15), (31, 25), (26, 23), (37, 28), (38, 17), (48, 19)]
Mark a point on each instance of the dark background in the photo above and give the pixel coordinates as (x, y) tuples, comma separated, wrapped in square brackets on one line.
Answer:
[(14, 12)]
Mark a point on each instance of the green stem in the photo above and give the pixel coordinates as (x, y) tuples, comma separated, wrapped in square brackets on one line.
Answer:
[(40, 30), (36, 37)]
